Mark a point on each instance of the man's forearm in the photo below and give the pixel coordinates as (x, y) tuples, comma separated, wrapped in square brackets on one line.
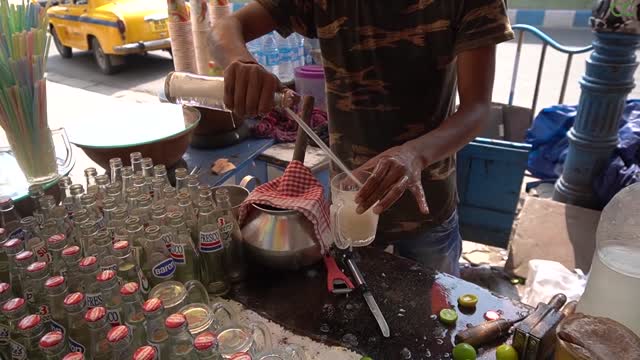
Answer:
[(227, 42)]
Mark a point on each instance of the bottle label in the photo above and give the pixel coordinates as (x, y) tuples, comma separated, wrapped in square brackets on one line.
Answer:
[(210, 241), (144, 282), (75, 346), (168, 240), (177, 254), (43, 311), (113, 317), (225, 228), (94, 300), (164, 269), (41, 252), (100, 224), (18, 233), (4, 332), (28, 295), (18, 352), (113, 267), (55, 326), (272, 58)]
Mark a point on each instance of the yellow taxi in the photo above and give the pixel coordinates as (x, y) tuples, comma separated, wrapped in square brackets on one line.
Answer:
[(109, 28)]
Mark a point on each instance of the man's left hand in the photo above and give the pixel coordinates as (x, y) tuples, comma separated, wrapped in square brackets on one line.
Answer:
[(392, 173)]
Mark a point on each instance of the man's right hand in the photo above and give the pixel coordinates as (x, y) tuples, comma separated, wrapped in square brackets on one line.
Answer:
[(249, 88)]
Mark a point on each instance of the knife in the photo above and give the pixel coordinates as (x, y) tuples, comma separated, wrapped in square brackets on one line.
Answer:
[(368, 297)]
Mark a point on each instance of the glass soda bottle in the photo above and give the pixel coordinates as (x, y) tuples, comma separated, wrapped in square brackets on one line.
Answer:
[(99, 327), (90, 203), (180, 340), (5, 347), (121, 342), (192, 186), (90, 287), (135, 236), (56, 288), (90, 175), (71, 256), (65, 187), (4, 259), (87, 232), (143, 210), (181, 180), (157, 185), (109, 261), (64, 224), (157, 335), (170, 198), (131, 196), (128, 269), (76, 192), (32, 239), (143, 186), (146, 353), (211, 250), (77, 329), (9, 218), (189, 214), (74, 356), (160, 172), (115, 165), (206, 345), (23, 259), (36, 192), (116, 224), (136, 162), (111, 298), (53, 345), (133, 313), (147, 167), (231, 237), (15, 310), (47, 204), (38, 273), (157, 264), (114, 190), (56, 244), (127, 178), (183, 251), (102, 181), (12, 247), (32, 328)]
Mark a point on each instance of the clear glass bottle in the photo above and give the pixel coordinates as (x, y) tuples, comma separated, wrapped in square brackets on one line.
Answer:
[(15, 310), (32, 239), (90, 174), (5, 345), (181, 180), (102, 243), (192, 184), (99, 327), (211, 248), (12, 247), (71, 256), (4, 259), (117, 226), (135, 236), (56, 244), (143, 210), (53, 345), (180, 340), (133, 313), (146, 352), (170, 198), (64, 223), (114, 190), (9, 218), (157, 264), (136, 162), (77, 191), (189, 214), (90, 287), (107, 257), (102, 181), (32, 328), (23, 260), (121, 343), (204, 194), (111, 298), (47, 204), (183, 251), (87, 232), (74, 356), (157, 335), (115, 165), (157, 185), (143, 186), (38, 272), (49, 229), (231, 237), (64, 184), (36, 192), (56, 288), (147, 167), (160, 172), (206, 345), (158, 213), (127, 178), (95, 214), (77, 334), (109, 205), (128, 268)]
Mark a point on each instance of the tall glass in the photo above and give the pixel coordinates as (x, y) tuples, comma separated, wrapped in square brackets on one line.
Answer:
[(36, 154)]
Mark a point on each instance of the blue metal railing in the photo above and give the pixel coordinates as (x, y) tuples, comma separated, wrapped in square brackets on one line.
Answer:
[(546, 42)]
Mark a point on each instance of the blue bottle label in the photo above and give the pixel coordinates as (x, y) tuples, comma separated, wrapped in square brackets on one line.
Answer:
[(18, 352), (55, 326), (4, 332), (164, 269), (177, 254), (210, 241), (75, 346), (113, 317)]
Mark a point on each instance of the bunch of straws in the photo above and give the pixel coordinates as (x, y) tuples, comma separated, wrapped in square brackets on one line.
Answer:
[(24, 46)]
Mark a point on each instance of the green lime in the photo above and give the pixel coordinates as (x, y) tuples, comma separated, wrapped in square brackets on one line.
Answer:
[(468, 300), (448, 316), (464, 351), (506, 352), (366, 358)]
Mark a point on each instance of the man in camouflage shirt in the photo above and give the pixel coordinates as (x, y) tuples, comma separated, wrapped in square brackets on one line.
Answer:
[(391, 71)]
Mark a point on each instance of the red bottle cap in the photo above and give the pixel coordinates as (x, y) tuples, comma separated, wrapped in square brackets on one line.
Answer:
[(121, 245), (51, 339), (4, 287), (13, 304), (54, 239), (175, 321), (12, 243), (117, 333), (129, 288), (491, 315), (145, 353), (29, 322), (37, 266), (106, 275), (240, 356), (54, 281), (71, 250), (95, 314), (152, 305), (205, 341), (74, 356), (88, 261), (73, 298), (24, 255)]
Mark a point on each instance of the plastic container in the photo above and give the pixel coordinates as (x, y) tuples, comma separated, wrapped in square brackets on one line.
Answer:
[(310, 81)]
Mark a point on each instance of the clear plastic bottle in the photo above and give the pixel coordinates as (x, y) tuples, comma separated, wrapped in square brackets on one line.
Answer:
[(36, 192), (136, 162), (111, 298), (271, 54), (157, 264), (9, 218), (181, 179), (255, 48), (115, 165), (146, 352), (56, 244), (297, 56), (183, 251), (5, 344), (77, 334), (285, 66), (32, 328), (206, 345), (211, 248), (15, 310), (56, 288), (157, 335), (90, 287), (133, 313), (231, 237), (121, 343), (12, 247), (71, 256), (38, 272), (180, 340), (53, 345), (99, 327)]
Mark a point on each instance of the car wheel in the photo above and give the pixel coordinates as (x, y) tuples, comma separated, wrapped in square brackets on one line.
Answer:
[(103, 60), (64, 51)]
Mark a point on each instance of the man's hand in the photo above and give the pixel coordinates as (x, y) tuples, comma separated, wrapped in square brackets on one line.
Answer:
[(249, 88), (393, 172)]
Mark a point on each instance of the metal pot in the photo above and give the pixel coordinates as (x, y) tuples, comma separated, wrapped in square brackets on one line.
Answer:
[(237, 193), (282, 239)]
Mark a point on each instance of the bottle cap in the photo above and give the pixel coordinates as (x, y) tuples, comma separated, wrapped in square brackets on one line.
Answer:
[(152, 305), (88, 261), (105, 276), (13, 304), (11, 243), (73, 298), (74, 356), (51, 339), (54, 281), (121, 245), (117, 333), (129, 288), (29, 322), (240, 356), (205, 341), (145, 353), (4, 287), (95, 314), (71, 250), (57, 238), (175, 321), (24, 255), (36, 266)]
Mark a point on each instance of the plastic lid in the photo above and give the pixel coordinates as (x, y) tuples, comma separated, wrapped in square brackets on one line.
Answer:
[(121, 245), (88, 261), (4, 287), (309, 72), (74, 298), (95, 314), (129, 288), (205, 341), (175, 321), (240, 356), (13, 304), (71, 250), (74, 356), (106, 275), (54, 281), (51, 339), (54, 239), (12, 243), (29, 322), (36, 266), (24, 255), (145, 353), (152, 305), (117, 333)]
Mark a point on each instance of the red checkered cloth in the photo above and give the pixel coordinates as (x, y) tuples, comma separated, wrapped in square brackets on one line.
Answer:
[(297, 189)]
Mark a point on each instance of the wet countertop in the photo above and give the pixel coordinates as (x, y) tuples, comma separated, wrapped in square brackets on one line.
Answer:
[(408, 295)]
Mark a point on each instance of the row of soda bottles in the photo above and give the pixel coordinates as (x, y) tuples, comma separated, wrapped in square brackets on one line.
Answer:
[(131, 227)]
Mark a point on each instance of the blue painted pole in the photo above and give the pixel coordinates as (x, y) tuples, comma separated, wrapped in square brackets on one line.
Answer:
[(608, 79)]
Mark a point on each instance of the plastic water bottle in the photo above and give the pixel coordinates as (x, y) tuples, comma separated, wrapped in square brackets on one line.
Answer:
[(285, 67), (255, 48), (297, 53), (270, 53), (307, 49)]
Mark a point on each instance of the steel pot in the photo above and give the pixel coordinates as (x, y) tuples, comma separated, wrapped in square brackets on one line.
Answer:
[(237, 193)]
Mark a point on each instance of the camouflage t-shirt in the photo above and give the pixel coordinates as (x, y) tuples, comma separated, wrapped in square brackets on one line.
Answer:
[(390, 77)]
